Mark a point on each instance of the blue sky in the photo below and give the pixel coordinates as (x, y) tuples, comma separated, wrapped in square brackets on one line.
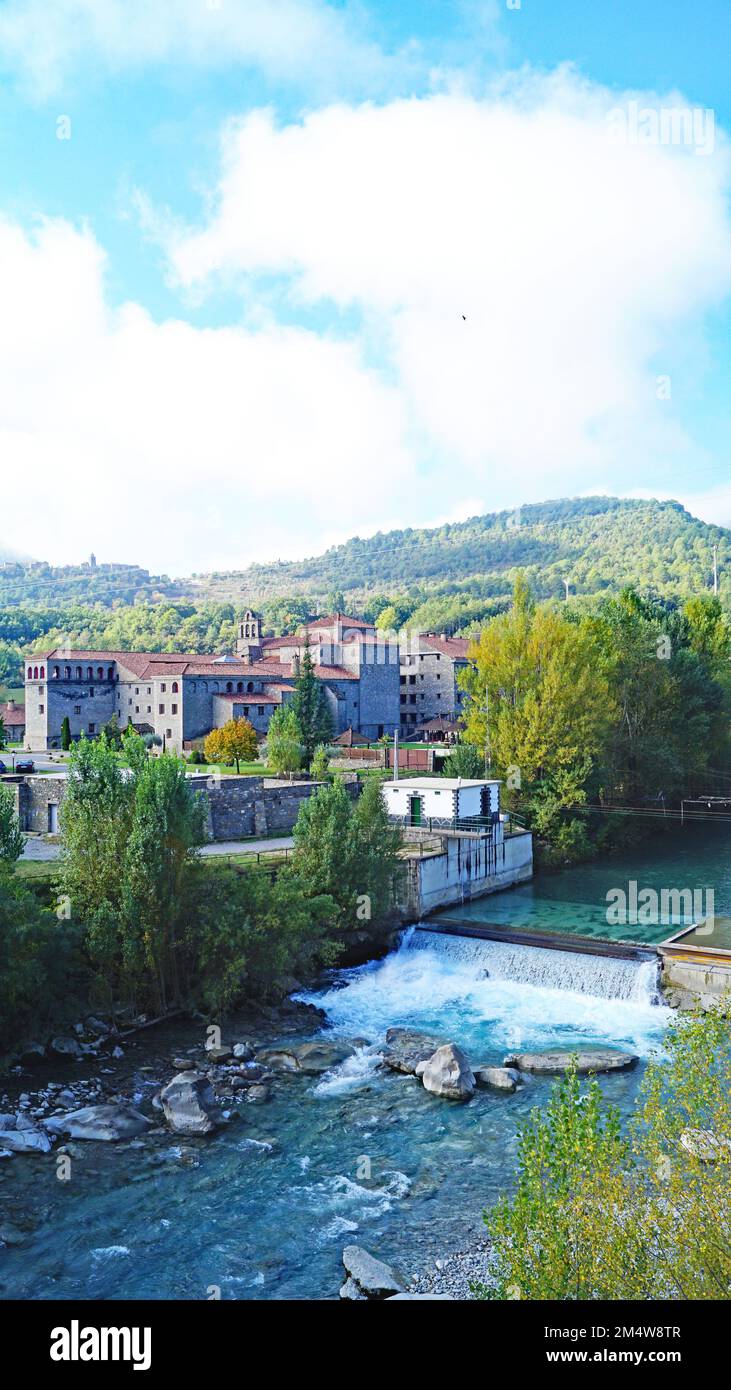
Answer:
[(231, 300)]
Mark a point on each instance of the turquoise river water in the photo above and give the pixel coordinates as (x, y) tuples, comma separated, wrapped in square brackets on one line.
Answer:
[(262, 1209)]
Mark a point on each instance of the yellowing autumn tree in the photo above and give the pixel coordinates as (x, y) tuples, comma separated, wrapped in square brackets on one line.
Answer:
[(541, 703), (235, 742)]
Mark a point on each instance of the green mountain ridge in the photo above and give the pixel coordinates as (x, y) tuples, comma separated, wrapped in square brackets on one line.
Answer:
[(450, 578), (594, 543)]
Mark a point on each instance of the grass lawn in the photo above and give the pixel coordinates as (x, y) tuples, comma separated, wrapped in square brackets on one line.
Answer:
[(251, 861), (36, 869)]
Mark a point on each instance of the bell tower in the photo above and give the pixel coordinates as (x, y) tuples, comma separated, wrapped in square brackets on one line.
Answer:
[(248, 642)]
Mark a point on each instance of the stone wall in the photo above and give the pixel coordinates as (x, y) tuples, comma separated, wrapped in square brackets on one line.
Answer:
[(238, 807), (33, 796), (690, 984)]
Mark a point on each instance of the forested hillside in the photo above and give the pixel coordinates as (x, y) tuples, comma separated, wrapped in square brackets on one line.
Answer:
[(36, 582), (454, 575), (449, 578)]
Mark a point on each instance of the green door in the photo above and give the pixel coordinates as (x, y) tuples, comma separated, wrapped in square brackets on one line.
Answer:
[(415, 810)]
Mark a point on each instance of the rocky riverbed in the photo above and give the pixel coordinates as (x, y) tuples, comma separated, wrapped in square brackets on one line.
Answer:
[(378, 1112)]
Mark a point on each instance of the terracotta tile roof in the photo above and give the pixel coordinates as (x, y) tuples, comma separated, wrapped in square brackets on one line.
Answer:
[(151, 665), (456, 647), (274, 642), (340, 673), (12, 717), (331, 618), (248, 697)]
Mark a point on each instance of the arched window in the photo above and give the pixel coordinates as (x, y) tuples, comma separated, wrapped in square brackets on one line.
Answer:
[(43, 672), (229, 686), (67, 672), (175, 687), (30, 673), (110, 673), (100, 673), (56, 672), (78, 673), (90, 673), (239, 687), (249, 685)]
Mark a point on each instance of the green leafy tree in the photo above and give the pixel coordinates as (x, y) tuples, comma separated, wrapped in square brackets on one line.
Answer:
[(464, 761), (347, 854), (2, 732), (43, 977), (321, 857), (284, 741), (601, 1215), (112, 732), (541, 701), (245, 935), (65, 734), (12, 842), (374, 845), (320, 763), (310, 707), (168, 823)]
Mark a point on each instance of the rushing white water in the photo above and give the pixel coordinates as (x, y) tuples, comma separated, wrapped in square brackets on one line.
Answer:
[(493, 997), (607, 977)]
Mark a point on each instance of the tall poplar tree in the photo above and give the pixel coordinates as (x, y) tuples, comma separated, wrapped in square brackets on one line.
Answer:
[(310, 707)]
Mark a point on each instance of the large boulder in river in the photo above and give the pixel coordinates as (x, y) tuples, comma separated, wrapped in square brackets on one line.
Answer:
[(105, 1122), (25, 1141), (406, 1048), (367, 1276), (558, 1060), (321, 1056), (279, 1058), (497, 1078), (448, 1073), (66, 1047), (189, 1104)]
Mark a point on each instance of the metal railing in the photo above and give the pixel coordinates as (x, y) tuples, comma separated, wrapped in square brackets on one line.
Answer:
[(478, 825)]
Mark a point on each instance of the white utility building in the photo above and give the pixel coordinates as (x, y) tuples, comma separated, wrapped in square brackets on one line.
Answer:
[(447, 800)]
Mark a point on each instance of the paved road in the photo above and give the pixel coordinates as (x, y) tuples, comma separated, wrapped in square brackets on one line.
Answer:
[(248, 846), (44, 850)]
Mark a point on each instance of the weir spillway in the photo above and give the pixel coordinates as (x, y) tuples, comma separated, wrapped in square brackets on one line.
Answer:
[(609, 970)]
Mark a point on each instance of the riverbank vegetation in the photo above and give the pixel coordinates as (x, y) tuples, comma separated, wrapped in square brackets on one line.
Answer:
[(602, 1214), (139, 921), (627, 706)]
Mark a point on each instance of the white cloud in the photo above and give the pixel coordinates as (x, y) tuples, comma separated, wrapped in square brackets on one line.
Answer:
[(307, 42), (184, 448), (583, 268)]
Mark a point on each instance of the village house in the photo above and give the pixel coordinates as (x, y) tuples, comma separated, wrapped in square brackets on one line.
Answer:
[(13, 717), (428, 675)]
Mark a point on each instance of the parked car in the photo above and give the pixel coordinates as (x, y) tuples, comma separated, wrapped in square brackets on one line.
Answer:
[(25, 765), (2, 767)]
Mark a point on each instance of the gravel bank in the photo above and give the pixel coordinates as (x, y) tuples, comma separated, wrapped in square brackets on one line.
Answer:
[(454, 1273)]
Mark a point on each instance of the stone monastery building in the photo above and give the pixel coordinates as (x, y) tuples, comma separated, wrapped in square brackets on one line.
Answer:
[(182, 697)]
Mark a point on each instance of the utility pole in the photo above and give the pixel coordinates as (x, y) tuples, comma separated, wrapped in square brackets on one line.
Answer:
[(715, 569), (487, 731)]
